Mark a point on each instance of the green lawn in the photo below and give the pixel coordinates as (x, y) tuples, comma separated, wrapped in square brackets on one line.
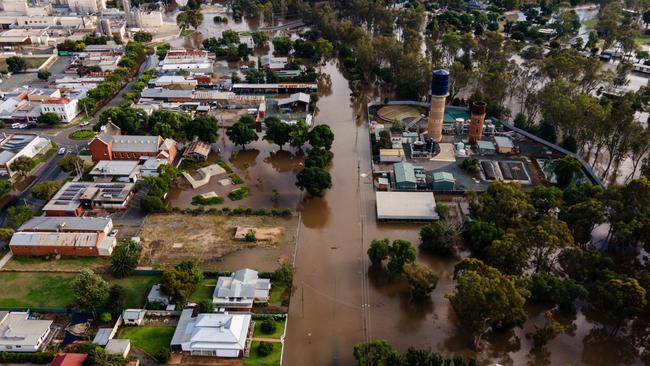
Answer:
[(32, 62), (29, 263), (278, 293), (204, 290), (279, 329), (271, 360), (82, 135), (55, 289), (148, 339), (642, 40), (590, 23)]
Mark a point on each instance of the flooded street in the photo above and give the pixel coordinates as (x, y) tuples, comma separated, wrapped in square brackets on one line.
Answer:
[(332, 285)]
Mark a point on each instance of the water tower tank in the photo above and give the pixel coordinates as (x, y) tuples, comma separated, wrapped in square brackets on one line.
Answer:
[(440, 82)]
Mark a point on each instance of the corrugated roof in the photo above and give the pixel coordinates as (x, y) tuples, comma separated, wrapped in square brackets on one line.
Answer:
[(44, 223), (443, 177), (404, 172)]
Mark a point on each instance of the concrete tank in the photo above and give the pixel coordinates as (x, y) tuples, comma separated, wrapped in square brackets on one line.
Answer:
[(439, 93), (477, 119)]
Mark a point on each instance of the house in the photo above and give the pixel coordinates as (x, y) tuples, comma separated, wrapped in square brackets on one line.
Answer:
[(241, 290), (197, 150), (295, 101), (76, 197), (156, 295), (404, 176), (110, 144), (503, 144), (213, 334), (443, 181), (269, 62), (119, 347), (13, 146), (133, 316), (406, 206), (19, 333), (69, 359), (68, 236), (66, 108), (115, 170)]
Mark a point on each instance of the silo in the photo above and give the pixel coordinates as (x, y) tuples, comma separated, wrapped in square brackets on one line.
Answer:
[(477, 118), (439, 93)]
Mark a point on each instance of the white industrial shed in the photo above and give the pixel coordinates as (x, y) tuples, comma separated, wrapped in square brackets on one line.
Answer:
[(406, 206)]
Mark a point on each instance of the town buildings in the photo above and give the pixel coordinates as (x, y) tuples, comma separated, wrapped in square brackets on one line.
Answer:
[(14, 146), (19, 333), (110, 144), (241, 290), (76, 197)]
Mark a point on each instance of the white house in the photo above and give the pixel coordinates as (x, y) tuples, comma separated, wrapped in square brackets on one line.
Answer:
[(18, 333), (133, 316), (241, 290), (213, 334), (66, 108)]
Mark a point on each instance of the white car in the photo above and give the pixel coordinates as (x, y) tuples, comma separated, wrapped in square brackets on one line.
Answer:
[(82, 124), (114, 232), (62, 151)]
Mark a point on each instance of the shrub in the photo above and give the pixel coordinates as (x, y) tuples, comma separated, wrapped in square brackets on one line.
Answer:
[(239, 193), (151, 204), (235, 178), (264, 349), (470, 165), (36, 357), (200, 200), (105, 317), (163, 355), (206, 306), (154, 305), (268, 326), (250, 236)]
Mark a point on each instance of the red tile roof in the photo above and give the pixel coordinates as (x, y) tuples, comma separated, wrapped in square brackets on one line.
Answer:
[(64, 100), (69, 359)]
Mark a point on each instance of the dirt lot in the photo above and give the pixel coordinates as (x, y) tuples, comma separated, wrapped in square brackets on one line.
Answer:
[(208, 239)]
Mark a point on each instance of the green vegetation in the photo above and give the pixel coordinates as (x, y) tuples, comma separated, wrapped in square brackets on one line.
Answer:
[(148, 339), (204, 290), (124, 259), (590, 23), (239, 193), (272, 359), (200, 200), (45, 190), (235, 179), (279, 293), (82, 135), (277, 329), (31, 62)]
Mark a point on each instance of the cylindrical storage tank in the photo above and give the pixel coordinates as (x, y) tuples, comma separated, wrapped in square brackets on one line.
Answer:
[(477, 119), (440, 82)]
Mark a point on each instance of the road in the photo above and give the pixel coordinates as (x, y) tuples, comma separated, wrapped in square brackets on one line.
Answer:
[(50, 169)]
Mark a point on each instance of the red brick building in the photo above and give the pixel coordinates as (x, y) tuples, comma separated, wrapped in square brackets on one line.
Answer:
[(110, 144)]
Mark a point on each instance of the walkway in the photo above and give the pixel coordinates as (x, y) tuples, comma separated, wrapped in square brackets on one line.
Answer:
[(5, 259), (261, 339)]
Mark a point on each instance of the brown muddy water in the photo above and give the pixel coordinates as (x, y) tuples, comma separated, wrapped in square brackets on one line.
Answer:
[(328, 313)]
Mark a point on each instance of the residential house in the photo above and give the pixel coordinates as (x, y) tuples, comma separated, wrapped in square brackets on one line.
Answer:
[(76, 197), (14, 146), (241, 290), (68, 236), (110, 144), (19, 333), (156, 295), (69, 359), (212, 334)]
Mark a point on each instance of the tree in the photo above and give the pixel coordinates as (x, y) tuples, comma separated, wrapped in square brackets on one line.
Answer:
[(142, 37), (203, 127), (439, 239), (283, 276), (70, 163), (551, 329), (189, 18), (480, 234), (378, 251), (16, 64), (508, 254), (127, 119), (23, 165), (45, 190), (125, 259), (44, 74), (421, 280), (546, 199), (282, 45), (264, 349), (151, 204), (319, 158), (374, 353), (18, 215), (49, 119), (401, 252), (546, 288), (277, 131), (117, 297), (299, 134), (485, 300), (321, 136), (565, 169), (268, 326), (620, 298), (504, 204), (241, 134), (544, 239), (180, 282), (260, 39), (315, 180), (206, 306), (169, 124), (5, 187), (90, 290), (582, 218), (324, 49)]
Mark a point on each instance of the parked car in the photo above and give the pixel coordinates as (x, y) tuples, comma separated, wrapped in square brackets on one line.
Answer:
[(114, 232), (82, 124), (62, 151)]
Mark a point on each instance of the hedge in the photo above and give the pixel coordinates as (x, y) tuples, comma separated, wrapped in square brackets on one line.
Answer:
[(36, 357), (239, 193), (200, 200)]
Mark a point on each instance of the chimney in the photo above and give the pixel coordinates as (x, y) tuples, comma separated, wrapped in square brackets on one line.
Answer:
[(439, 93), (477, 120)]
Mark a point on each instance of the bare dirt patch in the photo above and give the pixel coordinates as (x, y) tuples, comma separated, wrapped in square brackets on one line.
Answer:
[(169, 239), (261, 233)]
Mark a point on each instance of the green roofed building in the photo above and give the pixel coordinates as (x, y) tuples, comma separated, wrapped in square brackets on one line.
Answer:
[(443, 181), (404, 176)]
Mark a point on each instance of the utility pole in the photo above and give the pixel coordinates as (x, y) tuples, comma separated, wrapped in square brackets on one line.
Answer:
[(302, 298)]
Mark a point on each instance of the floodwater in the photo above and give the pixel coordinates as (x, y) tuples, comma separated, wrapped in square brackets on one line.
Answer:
[(337, 302)]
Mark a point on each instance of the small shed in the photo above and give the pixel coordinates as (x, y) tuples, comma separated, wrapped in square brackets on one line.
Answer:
[(197, 150), (120, 347), (133, 316), (156, 295), (443, 181), (485, 147), (103, 336), (405, 176), (504, 144)]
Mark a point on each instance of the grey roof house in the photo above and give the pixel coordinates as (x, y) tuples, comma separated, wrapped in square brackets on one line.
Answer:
[(155, 295), (241, 290), (18, 333)]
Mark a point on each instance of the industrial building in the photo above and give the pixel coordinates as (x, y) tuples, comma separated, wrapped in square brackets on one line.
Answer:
[(406, 206), (76, 197), (404, 176), (115, 170), (443, 181)]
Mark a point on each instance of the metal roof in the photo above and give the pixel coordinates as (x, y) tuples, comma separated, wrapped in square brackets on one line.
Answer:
[(404, 172), (443, 177), (16, 329), (45, 223), (415, 206), (485, 145), (503, 141)]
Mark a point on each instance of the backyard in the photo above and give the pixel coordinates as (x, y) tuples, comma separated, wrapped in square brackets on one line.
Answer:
[(148, 339), (271, 360), (28, 263), (279, 329), (32, 62), (43, 289)]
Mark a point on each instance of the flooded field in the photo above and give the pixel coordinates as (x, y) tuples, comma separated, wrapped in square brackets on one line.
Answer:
[(337, 302)]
